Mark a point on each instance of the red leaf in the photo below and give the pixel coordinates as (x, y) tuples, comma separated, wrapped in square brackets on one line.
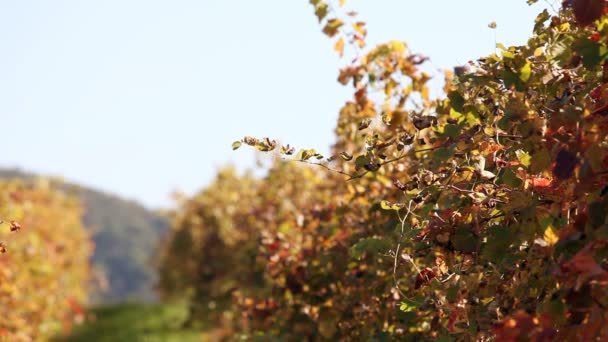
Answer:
[(586, 11), (424, 278), (596, 93), (538, 182), (601, 110)]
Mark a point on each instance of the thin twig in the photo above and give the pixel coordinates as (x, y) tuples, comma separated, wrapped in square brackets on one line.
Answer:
[(396, 257), (322, 165)]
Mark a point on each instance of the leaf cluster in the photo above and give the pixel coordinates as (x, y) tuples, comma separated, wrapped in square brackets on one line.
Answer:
[(478, 215)]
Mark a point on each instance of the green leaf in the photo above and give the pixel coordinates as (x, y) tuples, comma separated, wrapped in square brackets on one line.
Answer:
[(386, 205), (523, 157), (443, 154), (540, 19), (595, 155), (408, 305), (465, 241), (560, 50), (556, 309), (591, 52), (452, 293), (360, 161), (508, 177), (541, 161), (497, 245), (511, 79), (456, 101), (321, 10), (525, 72), (236, 145), (452, 131), (370, 246)]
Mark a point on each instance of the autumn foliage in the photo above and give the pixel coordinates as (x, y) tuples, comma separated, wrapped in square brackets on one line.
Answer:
[(44, 267), (475, 216)]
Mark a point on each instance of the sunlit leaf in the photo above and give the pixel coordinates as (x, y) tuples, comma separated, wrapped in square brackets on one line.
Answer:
[(339, 46), (359, 27), (408, 305), (332, 27), (386, 205), (321, 10), (523, 157), (550, 235), (346, 156), (525, 71)]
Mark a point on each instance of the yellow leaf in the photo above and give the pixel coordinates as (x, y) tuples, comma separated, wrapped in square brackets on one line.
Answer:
[(342, 2), (398, 46), (508, 54), (525, 71), (339, 46), (550, 235), (359, 27), (424, 93), (389, 87), (523, 157)]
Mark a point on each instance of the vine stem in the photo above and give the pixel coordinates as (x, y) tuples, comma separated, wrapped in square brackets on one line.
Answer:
[(321, 165), (352, 176), (396, 256)]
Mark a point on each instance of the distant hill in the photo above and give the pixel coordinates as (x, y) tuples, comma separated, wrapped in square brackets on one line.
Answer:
[(126, 237)]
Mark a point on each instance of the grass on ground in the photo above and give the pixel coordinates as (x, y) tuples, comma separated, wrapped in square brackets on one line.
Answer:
[(135, 322)]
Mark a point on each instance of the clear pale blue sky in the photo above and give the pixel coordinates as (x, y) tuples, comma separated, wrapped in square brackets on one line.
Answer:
[(143, 97)]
